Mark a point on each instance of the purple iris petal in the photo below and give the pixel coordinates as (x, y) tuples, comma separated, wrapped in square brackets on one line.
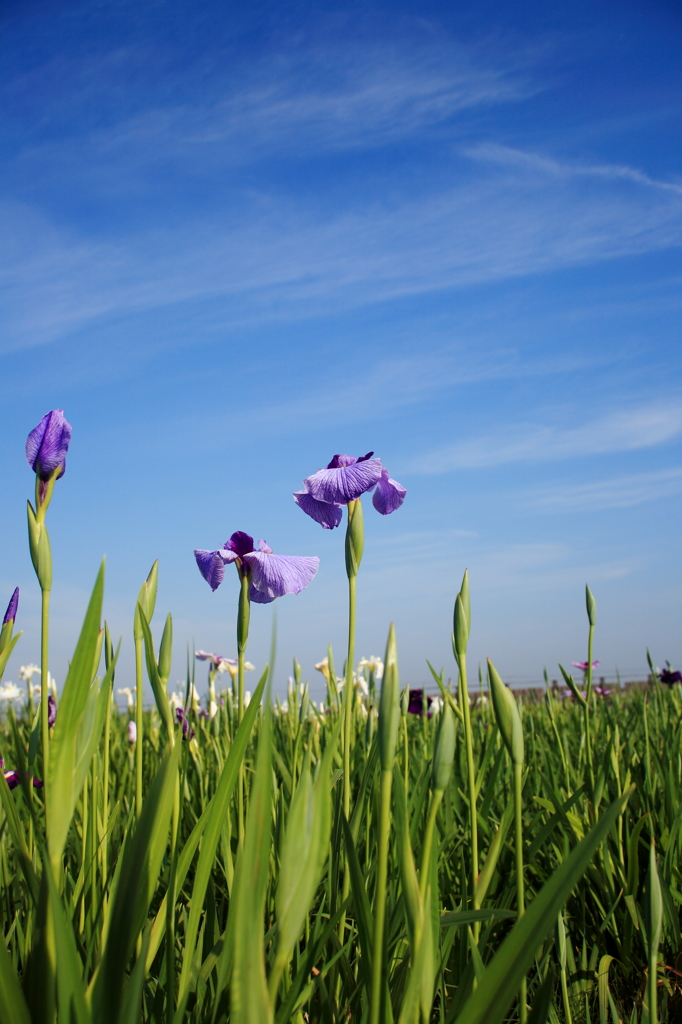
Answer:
[(346, 483), (276, 575), (212, 565), (669, 676), (416, 703), (11, 613), (13, 779), (389, 494), (583, 665), (323, 512), (241, 543), (48, 443), (258, 597), (187, 730), (51, 711)]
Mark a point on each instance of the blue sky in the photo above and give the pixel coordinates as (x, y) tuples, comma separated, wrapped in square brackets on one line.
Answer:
[(237, 239)]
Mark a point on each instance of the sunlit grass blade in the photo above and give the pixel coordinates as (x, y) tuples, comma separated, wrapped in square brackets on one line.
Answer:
[(491, 1000), (139, 876), (13, 1008), (63, 789)]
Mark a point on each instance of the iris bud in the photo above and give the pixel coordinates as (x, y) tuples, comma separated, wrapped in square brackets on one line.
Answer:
[(389, 705), (591, 606), (165, 650), (464, 594), (461, 633), (146, 599), (39, 546), (444, 752), (507, 715), (355, 538)]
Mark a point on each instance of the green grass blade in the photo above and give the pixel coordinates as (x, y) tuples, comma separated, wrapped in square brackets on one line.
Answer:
[(491, 1000), (135, 887), (62, 789), (212, 833), (13, 1008)]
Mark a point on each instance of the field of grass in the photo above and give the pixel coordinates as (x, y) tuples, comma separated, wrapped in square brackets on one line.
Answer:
[(374, 858), (242, 891)]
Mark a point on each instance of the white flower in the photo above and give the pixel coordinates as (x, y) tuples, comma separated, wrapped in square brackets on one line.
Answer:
[(323, 667), (374, 664), (52, 685), (10, 691), (360, 684), (27, 672), (226, 665), (248, 667), (132, 731), (176, 700), (247, 698), (436, 705), (212, 709), (127, 692)]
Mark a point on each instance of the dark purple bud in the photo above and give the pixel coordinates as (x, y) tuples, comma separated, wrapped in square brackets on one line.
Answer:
[(51, 711), (187, 730), (47, 445), (11, 613), (670, 676)]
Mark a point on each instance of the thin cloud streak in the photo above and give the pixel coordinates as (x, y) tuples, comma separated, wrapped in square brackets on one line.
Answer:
[(277, 261), (507, 156), (629, 430), (600, 495)]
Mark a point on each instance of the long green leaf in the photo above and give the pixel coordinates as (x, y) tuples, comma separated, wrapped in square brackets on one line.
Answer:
[(212, 833), (491, 1000), (63, 789)]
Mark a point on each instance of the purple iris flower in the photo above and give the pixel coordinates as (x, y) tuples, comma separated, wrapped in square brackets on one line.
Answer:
[(216, 659), (47, 445), (11, 613), (182, 717), (271, 575), (51, 711), (344, 480), (584, 665), (669, 676), (12, 778), (416, 704)]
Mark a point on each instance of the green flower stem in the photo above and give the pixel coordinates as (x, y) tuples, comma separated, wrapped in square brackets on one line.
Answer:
[(436, 798), (380, 900), (348, 696), (520, 887), (138, 726), (170, 906), (44, 642), (243, 619), (471, 773)]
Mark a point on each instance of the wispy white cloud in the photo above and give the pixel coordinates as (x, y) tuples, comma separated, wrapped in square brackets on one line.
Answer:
[(298, 100), (507, 156), (617, 492), (628, 429), (274, 259)]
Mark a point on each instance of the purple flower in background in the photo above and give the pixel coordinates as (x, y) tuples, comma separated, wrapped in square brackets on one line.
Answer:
[(13, 779), (132, 732), (271, 575), (11, 613), (344, 480), (584, 665), (181, 717), (416, 703), (47, 445), (601, 691), (669, 676), (218, 662), (51, 711)]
